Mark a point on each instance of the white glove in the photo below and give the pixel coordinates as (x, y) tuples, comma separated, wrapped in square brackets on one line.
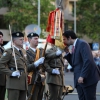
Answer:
[(16, 73), (55, 71), (39, 61), (58, 52)]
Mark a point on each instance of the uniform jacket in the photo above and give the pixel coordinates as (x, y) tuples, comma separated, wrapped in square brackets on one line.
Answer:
[(83, 64), (30, 61), (2, 76), (51, 62), (14, 82)]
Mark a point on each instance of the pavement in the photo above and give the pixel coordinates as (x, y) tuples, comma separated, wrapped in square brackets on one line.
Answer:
[(68, 78), (73, 96)]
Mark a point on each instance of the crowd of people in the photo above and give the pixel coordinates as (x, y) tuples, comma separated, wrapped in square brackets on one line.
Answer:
[(22, 72)]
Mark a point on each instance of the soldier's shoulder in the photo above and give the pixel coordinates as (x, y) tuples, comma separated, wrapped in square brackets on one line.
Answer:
[(50, 49), (41, 49), (9, 50)]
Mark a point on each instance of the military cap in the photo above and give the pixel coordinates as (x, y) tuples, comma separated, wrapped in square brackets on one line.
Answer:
[(32, 34), (17, 34), (1, 33)]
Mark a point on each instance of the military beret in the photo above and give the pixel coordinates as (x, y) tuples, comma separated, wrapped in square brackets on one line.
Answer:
[(17, 34), (1, 33), (32, 34)]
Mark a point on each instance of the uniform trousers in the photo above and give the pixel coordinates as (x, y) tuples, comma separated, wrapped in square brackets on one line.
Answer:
[(87, 93), (38, 91), (2, 92), (55, 92), (16, 94)]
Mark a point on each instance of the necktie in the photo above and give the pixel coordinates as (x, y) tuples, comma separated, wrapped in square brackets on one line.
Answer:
[(21, 53), (1, 50), (73, 49)]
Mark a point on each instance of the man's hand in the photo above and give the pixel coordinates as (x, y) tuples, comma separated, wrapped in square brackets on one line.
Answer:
[(16, 73), (80, 80), (58, 52), (55, 71), (39, 61)]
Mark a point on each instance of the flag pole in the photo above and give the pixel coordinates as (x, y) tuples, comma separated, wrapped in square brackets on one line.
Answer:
[(13, 49), (75, 16)]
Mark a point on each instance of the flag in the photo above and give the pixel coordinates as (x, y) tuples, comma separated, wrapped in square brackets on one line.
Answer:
[(59, 43), (50, 40)]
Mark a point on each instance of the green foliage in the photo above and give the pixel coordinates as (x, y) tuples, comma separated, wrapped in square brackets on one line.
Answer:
[(88, 14), (24, 12)]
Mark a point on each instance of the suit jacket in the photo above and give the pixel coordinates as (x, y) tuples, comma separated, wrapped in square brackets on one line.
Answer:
[(30, 61), (2, 76), (83, 64), (8, 59), (53, 61)]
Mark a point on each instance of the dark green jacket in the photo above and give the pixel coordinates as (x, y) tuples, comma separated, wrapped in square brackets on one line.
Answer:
[(8, 59), (52, 61), (30, 61)]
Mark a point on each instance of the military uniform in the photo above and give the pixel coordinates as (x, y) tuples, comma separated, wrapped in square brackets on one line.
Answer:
[(39, 86), (14, 84), (2, 79), (54, 81), (17, 86)]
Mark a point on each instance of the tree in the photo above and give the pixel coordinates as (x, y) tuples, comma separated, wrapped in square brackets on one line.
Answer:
[(24, 12), (88, 14)]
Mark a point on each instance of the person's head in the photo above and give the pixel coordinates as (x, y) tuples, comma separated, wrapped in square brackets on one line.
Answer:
[(1, 38), (69, 37), (33, 39), (18, 38)]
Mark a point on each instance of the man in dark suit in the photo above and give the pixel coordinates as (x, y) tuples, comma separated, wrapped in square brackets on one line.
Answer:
[(86, 76), (2, 76)]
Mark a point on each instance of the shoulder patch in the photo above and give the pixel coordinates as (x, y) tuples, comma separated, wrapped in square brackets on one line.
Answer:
[(5, 53)]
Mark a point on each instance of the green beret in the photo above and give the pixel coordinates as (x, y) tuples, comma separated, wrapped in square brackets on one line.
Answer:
[(32, 35), (17, 34)]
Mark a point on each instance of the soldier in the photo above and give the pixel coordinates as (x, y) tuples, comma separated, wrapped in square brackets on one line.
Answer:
[(16, 83), (2, 76), (34, 55), (54, 67)]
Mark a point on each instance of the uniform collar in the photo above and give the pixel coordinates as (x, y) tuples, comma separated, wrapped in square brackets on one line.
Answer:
[(16, 48), (33, 49)]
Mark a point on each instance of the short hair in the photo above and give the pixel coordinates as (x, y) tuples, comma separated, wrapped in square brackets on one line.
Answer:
[(70, 33), (14, 38), (1, 33)]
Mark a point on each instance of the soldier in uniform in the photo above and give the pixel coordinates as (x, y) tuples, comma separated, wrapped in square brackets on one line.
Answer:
[(34, 55), (2, 76), (16, 83), (54, 67)]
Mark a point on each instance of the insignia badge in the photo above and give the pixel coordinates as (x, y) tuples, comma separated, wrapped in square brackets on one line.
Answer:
[(31, 34), (17, 34), (5, 53)]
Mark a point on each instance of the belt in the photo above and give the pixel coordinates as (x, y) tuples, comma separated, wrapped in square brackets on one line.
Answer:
[(14, 69)]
